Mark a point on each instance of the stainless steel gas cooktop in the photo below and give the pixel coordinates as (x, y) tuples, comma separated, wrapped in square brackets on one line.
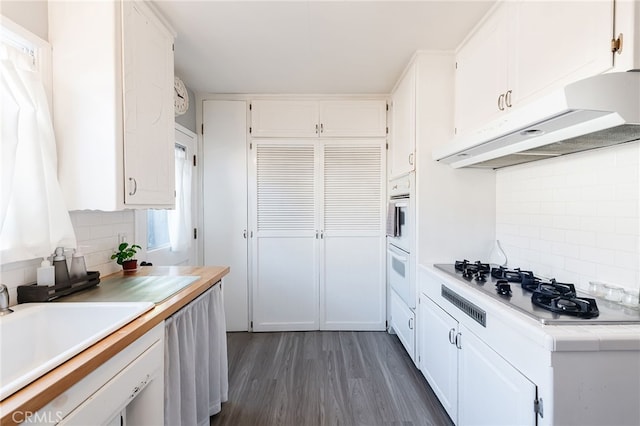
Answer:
[(547, 301)]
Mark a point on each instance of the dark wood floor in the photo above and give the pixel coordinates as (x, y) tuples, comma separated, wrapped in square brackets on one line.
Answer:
[(325, 378)]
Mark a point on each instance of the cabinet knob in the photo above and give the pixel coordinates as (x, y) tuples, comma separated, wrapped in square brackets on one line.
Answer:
[(507, 98), (135, 186), (501, 102)]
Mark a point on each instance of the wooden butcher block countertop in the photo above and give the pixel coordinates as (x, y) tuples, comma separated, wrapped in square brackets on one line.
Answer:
[(43, 390)]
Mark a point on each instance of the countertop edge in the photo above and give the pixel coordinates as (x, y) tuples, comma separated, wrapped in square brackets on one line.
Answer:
[(43, 390)]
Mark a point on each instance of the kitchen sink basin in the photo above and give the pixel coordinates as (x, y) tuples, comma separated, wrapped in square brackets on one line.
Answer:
[(38, 337)]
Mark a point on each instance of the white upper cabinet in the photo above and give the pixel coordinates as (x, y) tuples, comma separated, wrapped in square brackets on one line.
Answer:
[(557, 43), (481, 73), (403, 131), (525, 49), (113, 104), (353, 118), (311, 118)]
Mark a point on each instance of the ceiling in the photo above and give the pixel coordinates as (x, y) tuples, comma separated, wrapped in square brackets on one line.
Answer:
[(319, 47)]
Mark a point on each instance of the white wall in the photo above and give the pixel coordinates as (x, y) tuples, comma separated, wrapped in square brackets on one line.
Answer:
[(575, 218), (455, 207)]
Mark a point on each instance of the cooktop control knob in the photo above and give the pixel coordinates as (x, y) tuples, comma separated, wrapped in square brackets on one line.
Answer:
[(503, 287)]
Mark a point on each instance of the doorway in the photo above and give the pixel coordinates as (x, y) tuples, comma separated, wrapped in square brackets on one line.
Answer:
[(168, 236)]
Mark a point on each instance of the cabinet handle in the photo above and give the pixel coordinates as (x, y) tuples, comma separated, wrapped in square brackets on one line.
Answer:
[(411, 159), (316, 129), (507, 98), (501, 102), (244, 234), (317, 233), (321, 235), (321, 128), (452, 334), (459, 340), (135, 186), (410, 323)]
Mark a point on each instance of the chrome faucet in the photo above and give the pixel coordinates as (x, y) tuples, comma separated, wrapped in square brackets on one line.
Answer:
[(4, 300)]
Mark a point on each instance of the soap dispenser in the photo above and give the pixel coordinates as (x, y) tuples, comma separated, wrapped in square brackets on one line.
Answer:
[(45, 274), (61, 271), (78, 270)]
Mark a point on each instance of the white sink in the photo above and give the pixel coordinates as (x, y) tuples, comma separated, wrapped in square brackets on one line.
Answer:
[(38, 337)]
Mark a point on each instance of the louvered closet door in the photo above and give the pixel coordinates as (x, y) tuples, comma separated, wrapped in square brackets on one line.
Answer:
[(285, 275), (352, 284)]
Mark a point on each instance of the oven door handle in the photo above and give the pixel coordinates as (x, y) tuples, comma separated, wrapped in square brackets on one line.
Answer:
[(397, 255)]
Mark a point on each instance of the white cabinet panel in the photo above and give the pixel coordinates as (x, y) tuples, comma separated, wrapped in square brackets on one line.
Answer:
[(148, 109), (284, 119), (403, 130), (481, 73), (353, 291), (225, 222), (285, 287), (525, 49), (318, 245), (492, 392), (438, 356), (403, 323), (562, 50), (353, 118), (313, 118), (113, 109)]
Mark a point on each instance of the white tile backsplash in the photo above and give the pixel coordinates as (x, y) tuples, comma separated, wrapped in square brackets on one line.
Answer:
[(575, 218), (97, 238)]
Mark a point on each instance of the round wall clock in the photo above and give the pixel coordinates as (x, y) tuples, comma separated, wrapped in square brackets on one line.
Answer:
[(181, 97)]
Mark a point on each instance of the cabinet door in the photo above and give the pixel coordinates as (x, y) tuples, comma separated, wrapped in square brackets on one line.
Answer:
[(284, 119), (284, 244), (225, 221), (481, 73), (353, 118), (555, 47), (148, 108), (491, 391), (403, 322), (438, 356), (352, 285), (403, 129)]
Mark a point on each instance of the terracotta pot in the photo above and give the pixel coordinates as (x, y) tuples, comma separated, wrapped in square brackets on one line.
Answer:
[(130, 265)]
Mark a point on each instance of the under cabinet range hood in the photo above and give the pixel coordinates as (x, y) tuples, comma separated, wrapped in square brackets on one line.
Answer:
[(593, 113)]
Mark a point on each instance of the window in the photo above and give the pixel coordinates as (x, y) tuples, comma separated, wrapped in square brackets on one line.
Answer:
[(168, 234), (33, 217)]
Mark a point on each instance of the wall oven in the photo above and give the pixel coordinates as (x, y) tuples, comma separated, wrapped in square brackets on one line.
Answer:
[(401, 261), (400, 235), (399, 273)]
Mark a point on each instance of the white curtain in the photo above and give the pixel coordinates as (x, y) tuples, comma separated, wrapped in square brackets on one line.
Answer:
[(33, 217), (196, 369), (180, 218)]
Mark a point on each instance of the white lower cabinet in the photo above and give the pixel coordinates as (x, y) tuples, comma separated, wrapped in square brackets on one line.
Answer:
[(128, 389), (475, 385), (403, 322), (438, 357)]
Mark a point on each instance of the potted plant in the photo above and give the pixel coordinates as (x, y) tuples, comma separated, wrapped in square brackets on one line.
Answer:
[(125, 256)]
